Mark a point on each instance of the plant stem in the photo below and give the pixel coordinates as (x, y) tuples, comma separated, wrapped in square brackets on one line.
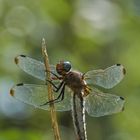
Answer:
[(50, 94)]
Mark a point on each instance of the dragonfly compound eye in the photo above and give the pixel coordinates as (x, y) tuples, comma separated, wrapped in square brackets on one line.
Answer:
[(67, 66)]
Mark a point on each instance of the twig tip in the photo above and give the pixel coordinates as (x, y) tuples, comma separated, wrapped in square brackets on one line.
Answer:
[(43, 41)]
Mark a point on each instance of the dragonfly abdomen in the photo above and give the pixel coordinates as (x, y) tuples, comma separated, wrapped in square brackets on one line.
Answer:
[(78, 115)]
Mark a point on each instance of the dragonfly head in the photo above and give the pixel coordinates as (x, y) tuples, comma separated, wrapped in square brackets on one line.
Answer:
[(63, 67)]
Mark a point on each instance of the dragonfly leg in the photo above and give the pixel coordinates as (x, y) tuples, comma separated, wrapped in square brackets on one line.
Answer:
[(54, 74), (56, 88), (60, 96), (84, 77)]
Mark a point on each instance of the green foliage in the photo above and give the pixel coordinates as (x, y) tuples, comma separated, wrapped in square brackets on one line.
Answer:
[(90, 34), (16, 134)]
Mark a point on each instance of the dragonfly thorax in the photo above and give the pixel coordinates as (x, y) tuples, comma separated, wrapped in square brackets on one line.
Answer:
[(74, 80)]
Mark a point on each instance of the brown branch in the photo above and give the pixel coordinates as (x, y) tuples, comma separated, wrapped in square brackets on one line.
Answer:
[(50, 92)]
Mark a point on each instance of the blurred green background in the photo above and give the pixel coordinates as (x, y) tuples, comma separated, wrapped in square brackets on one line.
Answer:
[(90, 34)]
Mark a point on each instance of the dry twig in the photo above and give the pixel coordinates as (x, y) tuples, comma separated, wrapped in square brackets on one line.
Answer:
[(50, 95)]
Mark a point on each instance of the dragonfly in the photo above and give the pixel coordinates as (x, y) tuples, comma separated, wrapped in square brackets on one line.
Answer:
[(72, 90)]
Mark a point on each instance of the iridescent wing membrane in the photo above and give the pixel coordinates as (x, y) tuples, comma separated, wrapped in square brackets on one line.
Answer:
[(33, 67), (36, 95), (107, 78), (98, 103)]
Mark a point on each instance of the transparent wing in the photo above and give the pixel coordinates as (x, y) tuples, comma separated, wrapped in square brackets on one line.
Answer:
[(36, 95), (100, 104), (107, 78), (33, 67)]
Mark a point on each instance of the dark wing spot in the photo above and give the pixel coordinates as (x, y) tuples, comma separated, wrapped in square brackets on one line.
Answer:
[(12, 92), (124, 71), (23, 55), (121, 98), (123, 108), (118, 64), (16, 60), (20, 84)]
